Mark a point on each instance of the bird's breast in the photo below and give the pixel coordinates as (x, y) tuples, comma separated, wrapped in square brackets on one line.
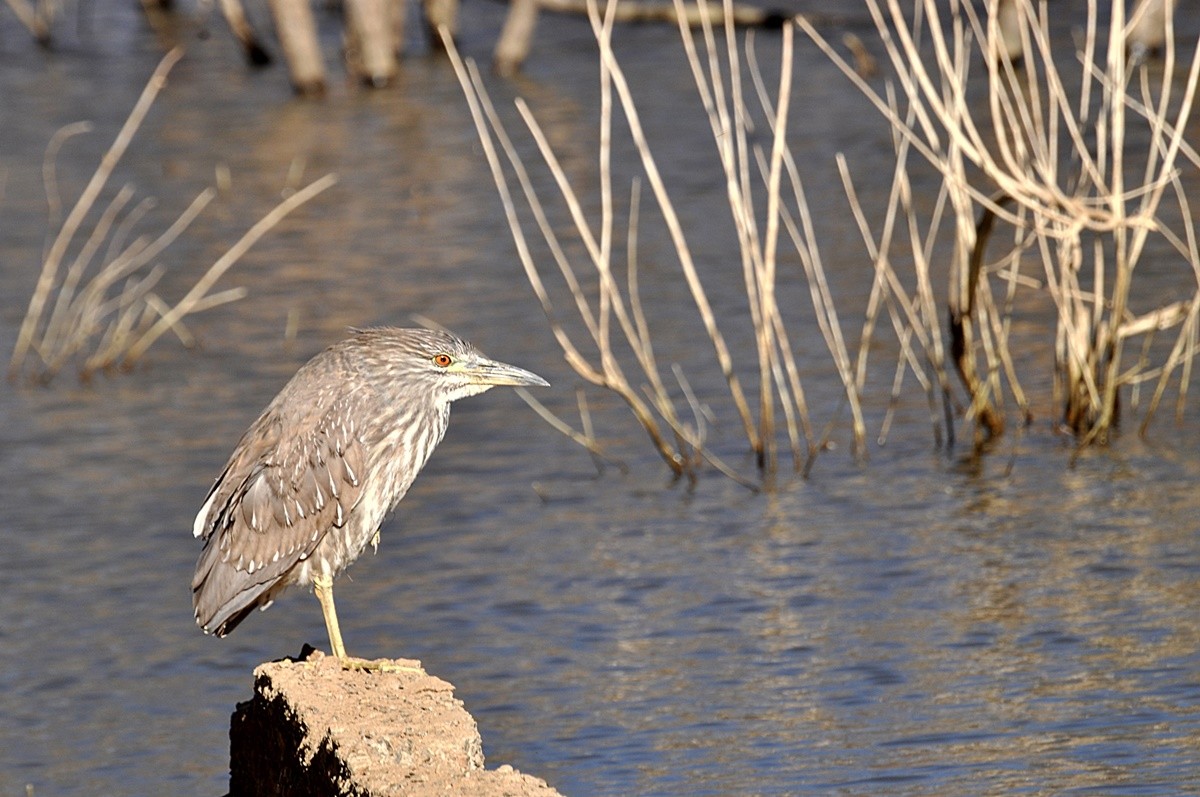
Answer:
[(393, 465)]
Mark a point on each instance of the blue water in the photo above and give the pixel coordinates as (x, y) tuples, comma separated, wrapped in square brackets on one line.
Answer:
[(927, 622)]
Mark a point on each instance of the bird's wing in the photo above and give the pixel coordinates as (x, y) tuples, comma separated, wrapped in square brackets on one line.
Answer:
[(286, 486)]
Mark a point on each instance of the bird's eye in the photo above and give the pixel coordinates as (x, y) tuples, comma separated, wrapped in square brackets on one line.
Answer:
[(442, 360)]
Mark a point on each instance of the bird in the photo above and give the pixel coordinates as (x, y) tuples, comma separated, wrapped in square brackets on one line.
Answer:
[(309, 484)]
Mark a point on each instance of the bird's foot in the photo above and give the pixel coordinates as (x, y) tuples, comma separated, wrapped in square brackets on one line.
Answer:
[(378, 665), (311, 655)]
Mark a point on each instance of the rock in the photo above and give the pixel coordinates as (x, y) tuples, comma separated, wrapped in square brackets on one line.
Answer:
[(313, 729)]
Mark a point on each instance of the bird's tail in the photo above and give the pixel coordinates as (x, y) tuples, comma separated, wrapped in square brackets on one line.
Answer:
[(223, 595)]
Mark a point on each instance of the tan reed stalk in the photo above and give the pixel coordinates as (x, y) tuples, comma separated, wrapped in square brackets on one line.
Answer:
[(1030, 146), (608, 373), (37, 19), (85, 308), (729, 122), (77, 318), (678, 238), (586, 438), (616, 308), (198, 294), (58, 249)]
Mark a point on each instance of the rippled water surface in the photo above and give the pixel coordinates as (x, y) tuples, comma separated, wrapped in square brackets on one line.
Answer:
[(925, 623)]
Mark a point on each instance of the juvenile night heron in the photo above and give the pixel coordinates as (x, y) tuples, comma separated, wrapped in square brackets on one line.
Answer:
[(313, 478)]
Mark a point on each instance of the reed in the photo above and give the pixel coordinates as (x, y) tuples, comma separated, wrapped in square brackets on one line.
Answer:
[(36, 17), (1052, 160), (767, 205), (1039, 194), (95, 302)]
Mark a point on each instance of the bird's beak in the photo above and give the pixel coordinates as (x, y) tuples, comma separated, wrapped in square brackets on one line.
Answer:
[(493, 373)]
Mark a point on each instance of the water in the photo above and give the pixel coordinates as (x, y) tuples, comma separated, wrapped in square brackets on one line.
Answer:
[(926, 623)]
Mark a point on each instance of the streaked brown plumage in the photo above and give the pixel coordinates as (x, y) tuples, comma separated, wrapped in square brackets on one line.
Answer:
[(312, 479)]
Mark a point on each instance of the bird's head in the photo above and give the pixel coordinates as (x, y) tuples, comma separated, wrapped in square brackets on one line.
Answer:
[(438, 365)]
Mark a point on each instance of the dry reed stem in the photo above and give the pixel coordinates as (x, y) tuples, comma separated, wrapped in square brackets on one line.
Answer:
[(50, 167), (66, 291), (692, 15), (666, 206), (1032, 116), (642, 343), (608, 374), (586, 439), (885, 289), (620, 309), (610, 296), (119, 327), (199, 292), (826, 311), (53, 259), (879, 296), (475, 100), (35, 18), (769, 266), (73, 322), (729, 122)]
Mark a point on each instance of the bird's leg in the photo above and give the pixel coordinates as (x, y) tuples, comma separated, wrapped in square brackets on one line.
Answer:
[(323, 588)]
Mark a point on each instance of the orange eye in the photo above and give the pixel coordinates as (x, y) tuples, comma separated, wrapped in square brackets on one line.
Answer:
[(442, 360)]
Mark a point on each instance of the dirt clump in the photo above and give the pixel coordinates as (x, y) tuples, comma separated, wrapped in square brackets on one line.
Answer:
[(315, 729)]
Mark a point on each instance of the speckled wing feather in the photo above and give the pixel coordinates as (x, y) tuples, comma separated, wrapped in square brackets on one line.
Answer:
[(298, 474)]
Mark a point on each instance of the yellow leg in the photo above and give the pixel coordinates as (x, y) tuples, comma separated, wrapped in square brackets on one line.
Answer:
[(323, 587)]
